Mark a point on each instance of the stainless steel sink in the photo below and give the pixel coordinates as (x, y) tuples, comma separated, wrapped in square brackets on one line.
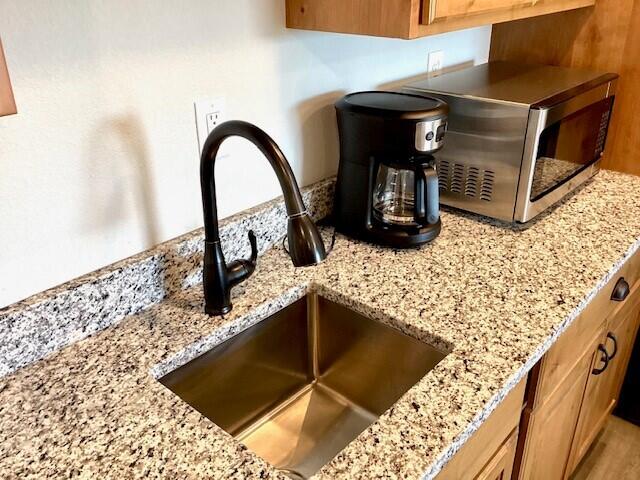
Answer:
[(297, 387)]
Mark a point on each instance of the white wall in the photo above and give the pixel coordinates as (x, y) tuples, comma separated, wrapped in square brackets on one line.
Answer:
[(101, 162)]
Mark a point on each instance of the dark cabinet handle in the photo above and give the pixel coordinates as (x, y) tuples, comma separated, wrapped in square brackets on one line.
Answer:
[(604, 359), (620, 291), (611, 336)]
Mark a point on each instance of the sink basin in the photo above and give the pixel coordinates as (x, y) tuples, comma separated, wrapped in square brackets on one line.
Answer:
[(297, 387)]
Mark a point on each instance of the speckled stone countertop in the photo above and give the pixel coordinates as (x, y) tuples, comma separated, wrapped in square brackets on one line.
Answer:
[(496, 296)]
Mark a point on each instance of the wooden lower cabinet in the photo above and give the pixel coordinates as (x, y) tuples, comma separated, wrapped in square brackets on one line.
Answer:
[(575, 386), (603, 388)]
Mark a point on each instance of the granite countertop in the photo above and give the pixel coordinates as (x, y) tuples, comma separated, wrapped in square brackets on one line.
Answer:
[(495, 296)]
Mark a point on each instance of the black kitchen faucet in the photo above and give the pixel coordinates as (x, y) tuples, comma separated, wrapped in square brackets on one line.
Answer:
[(305, 244)]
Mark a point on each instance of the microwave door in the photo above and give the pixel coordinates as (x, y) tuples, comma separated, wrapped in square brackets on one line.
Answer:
[(563, 147)]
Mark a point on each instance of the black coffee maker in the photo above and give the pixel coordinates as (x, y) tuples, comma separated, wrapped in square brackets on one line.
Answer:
[(387, 187)]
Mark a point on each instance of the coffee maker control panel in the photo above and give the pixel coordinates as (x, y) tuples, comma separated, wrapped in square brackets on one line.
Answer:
[(430, 135)]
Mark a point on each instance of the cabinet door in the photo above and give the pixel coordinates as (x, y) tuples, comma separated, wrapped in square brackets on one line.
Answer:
[(602, 388), (550, 427), (439, 10), (501, 465), (414, 18)]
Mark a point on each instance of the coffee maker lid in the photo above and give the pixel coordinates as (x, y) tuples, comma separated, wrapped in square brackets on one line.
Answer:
[(394, 105)]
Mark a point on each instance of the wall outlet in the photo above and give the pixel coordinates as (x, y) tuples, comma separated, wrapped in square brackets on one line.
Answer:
[(209, 114), (435, 63)]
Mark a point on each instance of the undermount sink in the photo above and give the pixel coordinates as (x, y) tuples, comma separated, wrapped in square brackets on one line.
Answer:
[(300, 385)]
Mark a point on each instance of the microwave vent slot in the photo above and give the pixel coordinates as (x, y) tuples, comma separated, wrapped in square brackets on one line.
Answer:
[(443, 175), (468, 180), (486, 190), (457, 178), (471, 182)]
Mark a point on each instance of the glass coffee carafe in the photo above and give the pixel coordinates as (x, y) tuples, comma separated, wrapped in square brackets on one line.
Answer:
[(406, 194)]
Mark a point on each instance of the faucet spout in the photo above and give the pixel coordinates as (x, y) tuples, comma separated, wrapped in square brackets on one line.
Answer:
[(305, 244)]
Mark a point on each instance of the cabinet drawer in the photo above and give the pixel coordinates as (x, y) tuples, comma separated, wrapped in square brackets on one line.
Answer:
[(575, 341), (501, 465), (486, 443), (602, 306), (565, 354)]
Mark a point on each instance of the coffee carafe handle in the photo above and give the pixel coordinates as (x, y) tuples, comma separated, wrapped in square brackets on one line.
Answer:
[(432, 194), (427, 196), (419, 199)]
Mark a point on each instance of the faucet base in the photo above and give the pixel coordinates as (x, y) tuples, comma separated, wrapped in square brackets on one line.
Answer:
[(215, 311)]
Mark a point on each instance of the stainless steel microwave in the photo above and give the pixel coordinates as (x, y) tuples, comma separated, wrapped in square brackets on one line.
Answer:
[(520, 137)]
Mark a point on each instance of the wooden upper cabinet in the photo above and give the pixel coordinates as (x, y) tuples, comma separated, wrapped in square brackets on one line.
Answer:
[(7, 103), (414, 18)]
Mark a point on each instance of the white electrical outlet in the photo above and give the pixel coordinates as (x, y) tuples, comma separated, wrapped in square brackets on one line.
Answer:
[(209, 114), (435, 63)]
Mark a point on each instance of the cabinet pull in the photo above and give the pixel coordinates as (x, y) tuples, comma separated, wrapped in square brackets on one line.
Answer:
[(604, 359), (621, 290), (611, 336)]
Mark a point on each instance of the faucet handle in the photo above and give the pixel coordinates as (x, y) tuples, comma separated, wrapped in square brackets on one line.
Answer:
[(254, 247), (240, 270)]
